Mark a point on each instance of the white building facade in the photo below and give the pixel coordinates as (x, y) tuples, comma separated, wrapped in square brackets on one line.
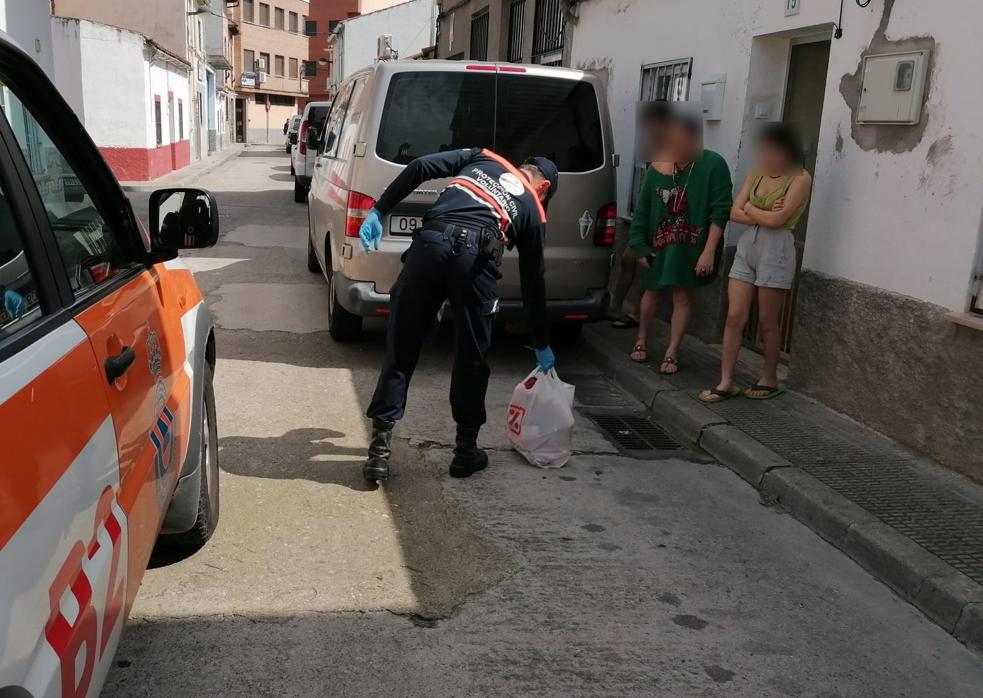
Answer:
[(891, 250), (412, 26), (131, 95)]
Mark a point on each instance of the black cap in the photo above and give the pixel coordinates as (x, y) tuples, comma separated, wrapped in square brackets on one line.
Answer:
[(549, 171)]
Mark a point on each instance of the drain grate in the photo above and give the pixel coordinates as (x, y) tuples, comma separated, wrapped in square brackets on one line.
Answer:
[(634, 433)]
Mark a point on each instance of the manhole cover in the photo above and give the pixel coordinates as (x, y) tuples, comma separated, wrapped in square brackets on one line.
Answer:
[(634, 433)]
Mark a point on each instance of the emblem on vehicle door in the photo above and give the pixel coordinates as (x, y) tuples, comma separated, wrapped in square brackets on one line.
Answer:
[(586, 221)]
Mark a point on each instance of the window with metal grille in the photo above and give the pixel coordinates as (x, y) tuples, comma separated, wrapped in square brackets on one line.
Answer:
[(548, 30), (517, 13), (668, 81), (479, 36)]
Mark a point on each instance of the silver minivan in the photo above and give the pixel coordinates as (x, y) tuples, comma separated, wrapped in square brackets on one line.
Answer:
[(386, 115)]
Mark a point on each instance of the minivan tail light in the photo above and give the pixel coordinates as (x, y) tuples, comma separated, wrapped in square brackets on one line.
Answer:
[(302, 141), (359, 206), (607, 226), (511, 69)]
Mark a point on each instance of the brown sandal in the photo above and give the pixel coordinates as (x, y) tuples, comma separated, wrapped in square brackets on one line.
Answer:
[(639, 349), (671, 361)]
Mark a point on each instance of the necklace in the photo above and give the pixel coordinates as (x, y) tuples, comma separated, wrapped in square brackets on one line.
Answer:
[(689, 176)]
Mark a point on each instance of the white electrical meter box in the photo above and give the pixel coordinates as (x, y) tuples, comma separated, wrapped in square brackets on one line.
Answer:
[(712, 97), (893, 88)]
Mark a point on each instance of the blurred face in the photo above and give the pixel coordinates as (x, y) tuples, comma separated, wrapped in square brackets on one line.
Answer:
[(656, 131), (681, 143), (773, 159), (539, 183)]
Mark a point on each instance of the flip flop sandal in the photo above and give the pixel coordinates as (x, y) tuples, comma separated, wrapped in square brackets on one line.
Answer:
[(718, 395), (639, 349), (672, 362), (625, 323), (769, 391)]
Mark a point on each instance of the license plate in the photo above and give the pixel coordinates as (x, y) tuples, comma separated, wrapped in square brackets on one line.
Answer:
[(404, 225)]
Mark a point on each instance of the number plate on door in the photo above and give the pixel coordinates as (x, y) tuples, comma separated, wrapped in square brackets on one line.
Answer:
[(404, 225)]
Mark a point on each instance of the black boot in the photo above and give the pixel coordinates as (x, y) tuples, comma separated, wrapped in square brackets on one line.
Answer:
[(376, 468), (468, 458)]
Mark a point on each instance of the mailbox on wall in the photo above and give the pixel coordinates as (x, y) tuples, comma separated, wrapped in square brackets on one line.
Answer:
[(893, 88)]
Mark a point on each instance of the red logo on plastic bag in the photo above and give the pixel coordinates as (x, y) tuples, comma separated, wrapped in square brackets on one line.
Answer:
[(516, 415)]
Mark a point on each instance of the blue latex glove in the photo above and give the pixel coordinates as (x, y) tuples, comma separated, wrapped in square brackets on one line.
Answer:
[(13, 303), (371, 231), (545, 359)]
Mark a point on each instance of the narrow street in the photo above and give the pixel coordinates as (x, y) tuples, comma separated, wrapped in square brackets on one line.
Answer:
[(613, 576)]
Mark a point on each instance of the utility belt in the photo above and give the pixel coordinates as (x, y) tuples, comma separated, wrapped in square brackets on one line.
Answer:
[(488, 243)]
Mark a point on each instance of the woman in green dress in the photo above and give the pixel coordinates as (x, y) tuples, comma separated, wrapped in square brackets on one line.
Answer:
[(676, 232)]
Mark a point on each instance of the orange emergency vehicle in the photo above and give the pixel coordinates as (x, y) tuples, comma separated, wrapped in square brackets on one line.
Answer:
[(107, 415)]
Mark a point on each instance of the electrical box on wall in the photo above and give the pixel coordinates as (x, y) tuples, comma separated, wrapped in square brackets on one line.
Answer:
[(893, 88), (712, 97)]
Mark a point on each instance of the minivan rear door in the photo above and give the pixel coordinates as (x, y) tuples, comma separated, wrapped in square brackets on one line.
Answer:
[(518, 112)]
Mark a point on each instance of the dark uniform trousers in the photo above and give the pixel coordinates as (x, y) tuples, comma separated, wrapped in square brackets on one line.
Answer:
[(440, 266)]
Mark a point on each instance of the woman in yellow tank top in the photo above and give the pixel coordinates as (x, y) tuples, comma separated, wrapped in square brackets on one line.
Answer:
[(771, 203)]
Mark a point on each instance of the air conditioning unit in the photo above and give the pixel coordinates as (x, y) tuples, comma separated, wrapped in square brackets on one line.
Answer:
[(384, 48), (262, 77), (261, 65)]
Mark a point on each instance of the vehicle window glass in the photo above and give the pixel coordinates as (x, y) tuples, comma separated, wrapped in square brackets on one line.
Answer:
[(89, 248), (554, 118), (19, 305), (334, 122), (431, 112), (345, 143)]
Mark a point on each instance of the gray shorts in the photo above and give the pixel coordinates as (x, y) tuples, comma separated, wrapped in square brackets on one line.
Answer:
[(765, 257)]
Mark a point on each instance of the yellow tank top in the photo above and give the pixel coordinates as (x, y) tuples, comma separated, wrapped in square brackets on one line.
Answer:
[(766, 202)]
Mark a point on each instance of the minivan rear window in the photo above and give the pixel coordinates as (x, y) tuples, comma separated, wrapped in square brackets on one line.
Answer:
[(316, 116), (431, 112)]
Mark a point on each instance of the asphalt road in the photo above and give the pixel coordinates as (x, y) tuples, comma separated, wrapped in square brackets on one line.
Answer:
[(611, 577)]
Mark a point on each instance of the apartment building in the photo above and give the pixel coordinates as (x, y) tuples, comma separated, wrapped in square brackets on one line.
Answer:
[(517, 31), (324, 18), (269, 53)]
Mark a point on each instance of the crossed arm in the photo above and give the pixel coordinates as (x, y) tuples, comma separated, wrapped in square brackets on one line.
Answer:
[(747, 214)]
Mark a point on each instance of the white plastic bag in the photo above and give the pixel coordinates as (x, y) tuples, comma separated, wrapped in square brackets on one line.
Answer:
[(540, 419)]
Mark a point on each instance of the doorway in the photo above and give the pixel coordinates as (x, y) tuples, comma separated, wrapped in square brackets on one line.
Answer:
[(805, 93), (240, 120)]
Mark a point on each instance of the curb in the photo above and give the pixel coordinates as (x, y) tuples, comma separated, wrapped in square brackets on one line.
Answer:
[(946, 596)]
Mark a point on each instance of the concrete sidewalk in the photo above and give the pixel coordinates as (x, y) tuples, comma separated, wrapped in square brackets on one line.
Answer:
[(912, 524), (187, 176)]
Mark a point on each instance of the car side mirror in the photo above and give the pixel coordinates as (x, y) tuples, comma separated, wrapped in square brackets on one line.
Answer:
[(183, 219)]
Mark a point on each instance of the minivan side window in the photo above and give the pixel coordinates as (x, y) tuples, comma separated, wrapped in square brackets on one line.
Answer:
[(334, 121), (345, 144), (90, 249), (19, 304)]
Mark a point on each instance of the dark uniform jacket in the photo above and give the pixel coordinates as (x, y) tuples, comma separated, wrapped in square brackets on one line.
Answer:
[(486, 191)]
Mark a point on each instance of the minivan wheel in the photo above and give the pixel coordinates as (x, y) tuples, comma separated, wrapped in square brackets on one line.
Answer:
[(208, 498), (300, 191), (313, 265), (342, 325), (566, 334)]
